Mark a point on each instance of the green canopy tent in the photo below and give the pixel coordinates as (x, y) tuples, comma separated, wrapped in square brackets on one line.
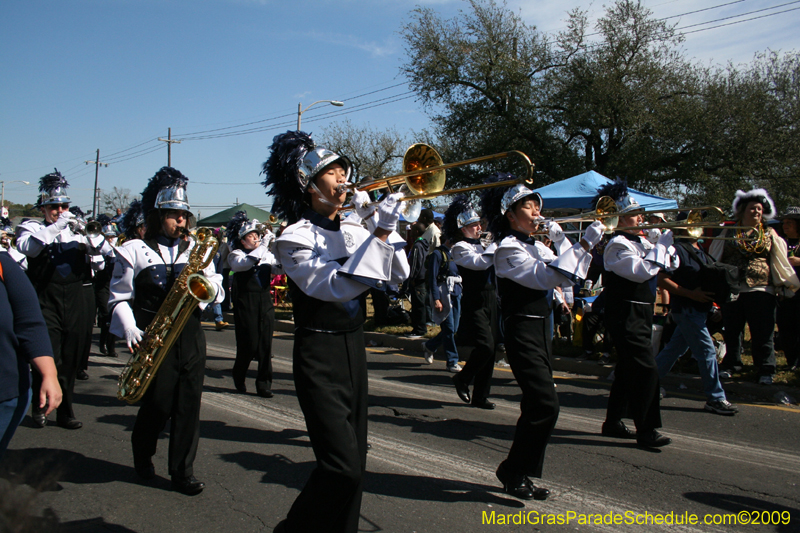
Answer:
[(223, 217)]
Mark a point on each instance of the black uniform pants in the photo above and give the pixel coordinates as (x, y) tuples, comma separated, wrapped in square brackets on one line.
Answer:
[(757, 309), (789, 328), (254, 315), (634, 392), (419, 313), (101, 295), (480, 315), (64, 310), (528, 353), (91, 311), (175, 394), (330, 375)]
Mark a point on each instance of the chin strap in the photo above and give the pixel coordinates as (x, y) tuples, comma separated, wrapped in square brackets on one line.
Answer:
[(322, 196)]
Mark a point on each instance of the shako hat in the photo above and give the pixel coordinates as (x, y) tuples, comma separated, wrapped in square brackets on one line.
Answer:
[(52, 189)]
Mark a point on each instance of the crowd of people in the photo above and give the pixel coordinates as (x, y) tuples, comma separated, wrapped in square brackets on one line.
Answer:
[(508, 285)]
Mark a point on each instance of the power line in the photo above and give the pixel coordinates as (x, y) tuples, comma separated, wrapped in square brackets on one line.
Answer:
[(743, 15)]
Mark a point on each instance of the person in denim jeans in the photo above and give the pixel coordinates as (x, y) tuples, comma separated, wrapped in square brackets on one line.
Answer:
[(439, 288), (690, 308)]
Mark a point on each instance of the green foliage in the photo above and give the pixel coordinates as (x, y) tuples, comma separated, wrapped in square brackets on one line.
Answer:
[(627, 104)]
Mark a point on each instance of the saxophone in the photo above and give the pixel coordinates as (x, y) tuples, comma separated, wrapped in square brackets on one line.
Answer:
[(189, 289)]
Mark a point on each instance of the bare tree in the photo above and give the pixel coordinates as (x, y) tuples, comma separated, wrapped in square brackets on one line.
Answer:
[(116, 199), (373, 153)]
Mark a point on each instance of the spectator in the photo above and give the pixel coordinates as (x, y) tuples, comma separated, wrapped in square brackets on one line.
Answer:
[(432, 234), (789, 308), (415, 286), (764, 273), (445, 297), (690, 309), (23, 339)]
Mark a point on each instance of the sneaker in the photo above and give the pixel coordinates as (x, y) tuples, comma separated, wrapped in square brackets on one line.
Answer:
[(221, 325), (456, 368), (725, 374), (428, 353), (765, 380), (721, 407)]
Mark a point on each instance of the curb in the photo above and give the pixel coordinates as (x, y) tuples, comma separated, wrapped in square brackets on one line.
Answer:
[(736, 390)]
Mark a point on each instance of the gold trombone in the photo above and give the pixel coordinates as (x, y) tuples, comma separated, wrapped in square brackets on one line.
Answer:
[(696, 223), (424, 177), (605, 210)]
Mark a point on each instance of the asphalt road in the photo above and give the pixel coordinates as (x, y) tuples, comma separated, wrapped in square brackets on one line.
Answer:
[(431, 466)]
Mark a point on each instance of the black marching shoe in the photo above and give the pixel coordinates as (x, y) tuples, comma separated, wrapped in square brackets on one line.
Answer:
[(69, 423), (39, 419), (144, 468), (617, 430), (188, 485), (652, 439), (264, 393), (485, 404), (82, 375), (519, 485), (461, 389), (240, 386)]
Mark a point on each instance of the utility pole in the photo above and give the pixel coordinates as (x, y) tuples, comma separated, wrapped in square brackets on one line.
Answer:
[(97, 163), (169, 142)]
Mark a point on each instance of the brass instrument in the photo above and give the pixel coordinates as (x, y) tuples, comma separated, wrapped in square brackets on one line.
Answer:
[(698, 220), (424, 177), (90, 229), (605, 210), (189, 289)]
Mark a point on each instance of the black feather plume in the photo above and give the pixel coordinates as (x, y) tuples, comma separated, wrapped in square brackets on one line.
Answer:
[(287, 153), (77, 211), (238, 220), (450, 228), (490, 205), (617, 190), (166, 177), (127, 224), (48, 183), (103, 219), (5, 222)]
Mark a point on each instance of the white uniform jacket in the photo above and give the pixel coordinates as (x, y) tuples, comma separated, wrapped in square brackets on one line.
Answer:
[(33, 237), (243, 260), (638, 260), (134, 257), (535, 266), (473, 256), (16, 256), (337, 261)]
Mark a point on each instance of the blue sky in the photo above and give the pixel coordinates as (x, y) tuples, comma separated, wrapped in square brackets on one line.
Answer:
[(113, 75)]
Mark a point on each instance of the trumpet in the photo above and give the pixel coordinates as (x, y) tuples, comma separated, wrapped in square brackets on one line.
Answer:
[(424, 177), (90, 229)]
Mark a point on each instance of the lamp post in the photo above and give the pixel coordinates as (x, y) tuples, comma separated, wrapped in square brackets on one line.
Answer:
[(3, 189), (300, 109)]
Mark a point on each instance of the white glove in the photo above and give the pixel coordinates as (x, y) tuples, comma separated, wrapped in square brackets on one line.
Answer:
[(652, 235), (360, 203), (554, 230), (389, 212), (594, 233), (267, 239), (666, 239), (133, 336), (63, 220), (96, 241)]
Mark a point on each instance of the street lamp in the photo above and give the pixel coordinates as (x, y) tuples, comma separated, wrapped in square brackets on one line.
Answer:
[(300, 109), (3, 187)]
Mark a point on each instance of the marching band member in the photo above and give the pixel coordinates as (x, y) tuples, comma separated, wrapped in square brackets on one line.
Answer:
[(59, 260), (462, 225), (133, 222), (102, 282), (524, 276), (632, 264), (143, 276), (7, 244), (764, 275), (88, 301), (330, 265), (253, 266)]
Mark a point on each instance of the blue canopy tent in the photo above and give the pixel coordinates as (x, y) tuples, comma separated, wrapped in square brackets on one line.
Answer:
[(578, 191)]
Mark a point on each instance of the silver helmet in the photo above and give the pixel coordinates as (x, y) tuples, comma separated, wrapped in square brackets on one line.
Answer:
[(465, 218), (515, 194), (317, 159), (173, 197), (627, 204), (249, 227)]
